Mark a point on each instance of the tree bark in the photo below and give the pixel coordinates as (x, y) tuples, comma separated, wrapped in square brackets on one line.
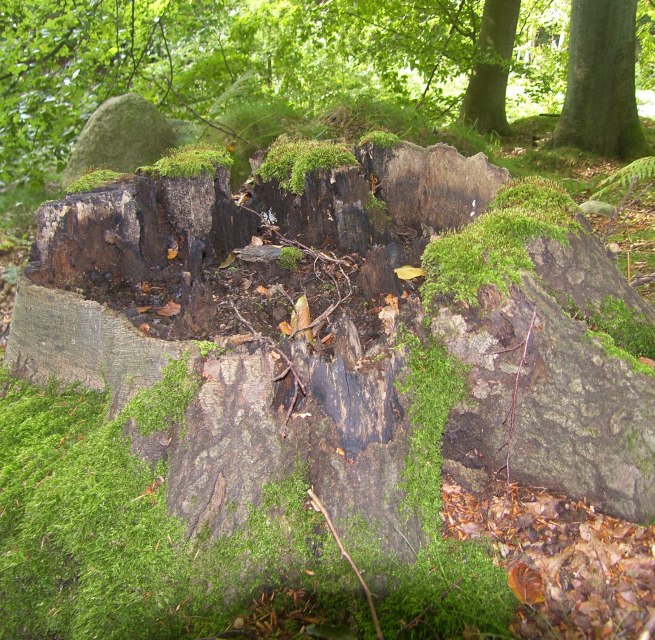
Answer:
[(484, 102), (600, 108)]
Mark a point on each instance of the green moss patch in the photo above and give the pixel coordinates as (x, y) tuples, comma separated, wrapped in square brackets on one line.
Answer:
[(162, 405), (614, 351), (289, 258), (190, 162), (289, 162), (95, 180), (378, 138), (630, 329), (492, 250), (84, 550)]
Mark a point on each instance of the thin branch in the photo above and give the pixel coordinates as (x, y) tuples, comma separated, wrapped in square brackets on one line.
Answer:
[(227, 66), (638, 281), (318, 505), (511, 413), (219, 127)]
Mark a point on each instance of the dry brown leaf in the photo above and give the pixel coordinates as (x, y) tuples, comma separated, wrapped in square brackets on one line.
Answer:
[(285, 328), (256, 241), (328, 339), (341, 452), (144, 287), (144, 327), (265, 291), (169, 309), (301, 318), (391, 301), (231, 257), (144, 308), (647, 361), (171, 253), (526, 583)]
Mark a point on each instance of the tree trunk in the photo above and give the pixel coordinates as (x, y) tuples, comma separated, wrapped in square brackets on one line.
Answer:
[(484, 101), (600, 109)]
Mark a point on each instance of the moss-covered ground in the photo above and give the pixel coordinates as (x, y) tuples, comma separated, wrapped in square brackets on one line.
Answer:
[(87, 548)]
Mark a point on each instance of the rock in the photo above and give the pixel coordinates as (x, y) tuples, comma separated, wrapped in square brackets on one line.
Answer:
[(599, 208), (431, 188), (584, 420), (122, 134)]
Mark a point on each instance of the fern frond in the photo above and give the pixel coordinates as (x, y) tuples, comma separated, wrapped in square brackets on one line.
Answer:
[(639, 171)]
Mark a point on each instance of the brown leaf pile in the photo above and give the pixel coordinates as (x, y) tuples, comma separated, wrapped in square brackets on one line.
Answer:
[(598, 572)]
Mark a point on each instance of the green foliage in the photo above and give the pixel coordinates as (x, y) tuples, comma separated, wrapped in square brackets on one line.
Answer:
[(466, 140), (207, 346), (81, 554), (289, 162), (378, 138), (629, 329), (163, 404), (492, 249), (289, 258), (94, 180), (611, 349), (190, 162), (636, 173)]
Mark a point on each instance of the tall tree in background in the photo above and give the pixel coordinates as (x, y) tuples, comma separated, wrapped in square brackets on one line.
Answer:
[(600, 108), (484, 100)]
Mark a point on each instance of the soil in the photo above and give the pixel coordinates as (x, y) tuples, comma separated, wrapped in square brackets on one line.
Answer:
[(262, 294)]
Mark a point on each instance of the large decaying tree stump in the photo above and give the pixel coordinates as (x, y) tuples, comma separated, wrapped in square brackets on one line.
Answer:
[(583, 420)]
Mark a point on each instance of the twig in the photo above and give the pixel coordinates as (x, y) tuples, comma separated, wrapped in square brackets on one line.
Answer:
[(511, 413), (222, 128), (642, 280), (318, 505)]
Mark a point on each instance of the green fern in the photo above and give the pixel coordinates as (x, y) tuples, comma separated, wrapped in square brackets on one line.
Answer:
[(641, 171)]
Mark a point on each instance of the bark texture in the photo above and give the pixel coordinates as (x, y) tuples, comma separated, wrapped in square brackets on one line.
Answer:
[(483, 106), (600, 108)]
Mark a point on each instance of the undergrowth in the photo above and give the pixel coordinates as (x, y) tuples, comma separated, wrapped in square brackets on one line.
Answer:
[(629, 329), (492, 250)]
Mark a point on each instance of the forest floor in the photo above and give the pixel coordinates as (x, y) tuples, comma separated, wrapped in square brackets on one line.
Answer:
[(586, 575)]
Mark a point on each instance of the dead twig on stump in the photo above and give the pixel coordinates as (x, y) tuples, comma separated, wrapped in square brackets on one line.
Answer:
[(511, 413), (318, 505)]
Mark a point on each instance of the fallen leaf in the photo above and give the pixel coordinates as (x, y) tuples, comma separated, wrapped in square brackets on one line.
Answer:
[(256, 241), (144, 287), (341, 452), (169, 309), (408, 273), (328, 339), (171, 253), (647, 361), (526, 583), (231, 257), (388, 316), (144, 308), (285, 328), (264, 291), (144, 327), (301, 318), (391, 300)]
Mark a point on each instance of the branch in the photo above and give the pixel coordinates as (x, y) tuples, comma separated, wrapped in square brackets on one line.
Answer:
[(318, 506), (511, 413), (219, 127), (638, 281)]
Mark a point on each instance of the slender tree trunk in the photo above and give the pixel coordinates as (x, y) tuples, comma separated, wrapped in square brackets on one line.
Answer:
[(600, 108), (484, 101)]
